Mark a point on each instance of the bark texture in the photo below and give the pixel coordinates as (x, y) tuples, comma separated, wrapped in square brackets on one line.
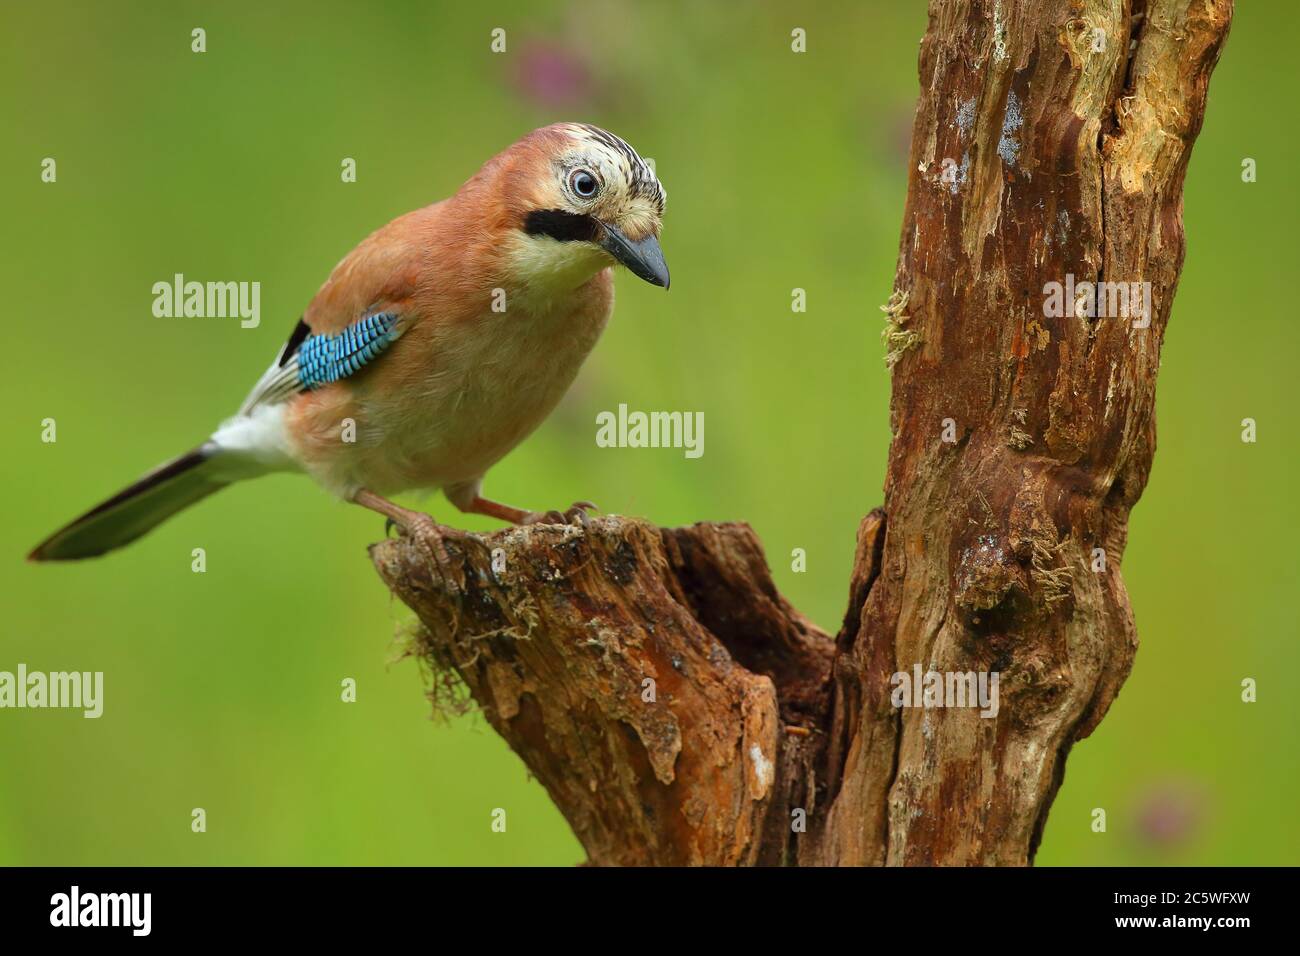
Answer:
[(680, 711)]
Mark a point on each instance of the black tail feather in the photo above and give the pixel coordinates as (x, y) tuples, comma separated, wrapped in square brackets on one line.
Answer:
[(134, 510)]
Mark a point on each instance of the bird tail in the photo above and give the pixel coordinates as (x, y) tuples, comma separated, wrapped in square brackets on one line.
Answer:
[(143, 506)]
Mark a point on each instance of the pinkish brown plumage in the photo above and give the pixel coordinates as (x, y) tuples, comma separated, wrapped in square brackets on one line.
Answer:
[(434, 347)]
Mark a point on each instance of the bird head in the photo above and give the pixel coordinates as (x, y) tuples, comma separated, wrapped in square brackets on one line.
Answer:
[(580, 199)]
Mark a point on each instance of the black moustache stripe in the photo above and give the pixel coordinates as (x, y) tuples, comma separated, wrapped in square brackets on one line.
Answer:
[(561, 225)]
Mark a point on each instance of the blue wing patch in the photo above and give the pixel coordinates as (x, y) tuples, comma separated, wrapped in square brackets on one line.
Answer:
[(311, 361), (323, 359)]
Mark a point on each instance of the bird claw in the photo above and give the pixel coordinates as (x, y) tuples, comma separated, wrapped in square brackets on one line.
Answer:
[(425, 531), (576, 514)]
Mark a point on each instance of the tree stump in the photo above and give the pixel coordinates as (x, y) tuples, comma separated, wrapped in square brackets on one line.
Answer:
[(680, 711)]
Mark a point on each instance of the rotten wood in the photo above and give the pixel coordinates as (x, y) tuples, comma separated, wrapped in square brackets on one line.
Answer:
[(680, 711), (645, 676)]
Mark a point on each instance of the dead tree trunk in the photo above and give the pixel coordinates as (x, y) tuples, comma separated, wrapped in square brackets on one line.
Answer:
[(679, 711)]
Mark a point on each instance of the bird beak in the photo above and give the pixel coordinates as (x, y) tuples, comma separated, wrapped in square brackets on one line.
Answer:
[(643, 257)]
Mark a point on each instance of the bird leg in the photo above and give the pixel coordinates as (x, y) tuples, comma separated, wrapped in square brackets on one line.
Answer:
[(415, 525), (576, 514)]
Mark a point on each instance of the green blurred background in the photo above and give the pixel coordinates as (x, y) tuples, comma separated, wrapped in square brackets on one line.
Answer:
[(222, 689)]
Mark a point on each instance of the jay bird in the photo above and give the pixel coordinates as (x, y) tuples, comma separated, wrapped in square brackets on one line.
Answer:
[(435, 346)]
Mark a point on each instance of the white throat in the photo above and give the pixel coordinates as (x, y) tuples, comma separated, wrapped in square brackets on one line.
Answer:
[(545, 270)]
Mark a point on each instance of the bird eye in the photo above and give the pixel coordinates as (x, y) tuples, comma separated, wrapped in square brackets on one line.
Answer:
[(583, 183)]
